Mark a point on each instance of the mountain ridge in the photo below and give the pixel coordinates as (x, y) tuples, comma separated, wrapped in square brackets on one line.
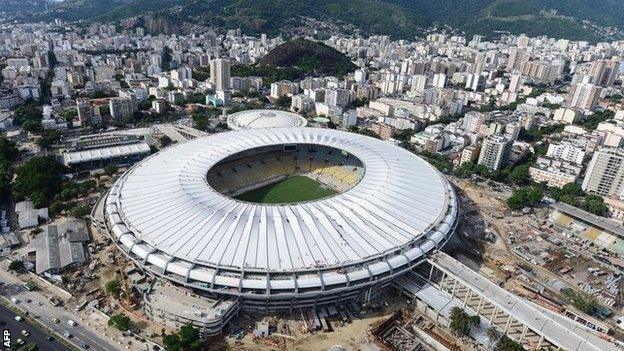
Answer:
[(573, 19)]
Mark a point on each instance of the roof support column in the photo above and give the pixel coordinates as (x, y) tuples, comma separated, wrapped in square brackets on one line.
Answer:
[(480, 305), (523, 335), (507, 324), (454, 289), (540, 342), (188, 273), (466, 298), (494, 314), (430, 273)]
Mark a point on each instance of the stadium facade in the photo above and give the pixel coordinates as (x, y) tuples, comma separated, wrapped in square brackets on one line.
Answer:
[(264, 118), (391, 209)]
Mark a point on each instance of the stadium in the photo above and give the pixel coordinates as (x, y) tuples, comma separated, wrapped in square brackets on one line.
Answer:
[(282, 217), (264, 118)]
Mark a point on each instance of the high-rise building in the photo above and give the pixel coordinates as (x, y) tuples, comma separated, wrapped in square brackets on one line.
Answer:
[(473, 121), (584, 96), (220, 74), (384, 130), (523, 41), (85, 110), (439, 80), (470, 154), (360, 76), (604, 72), (512, 130), (566, 151), (515, 82), (475, 82), (122, 107), (479, 64), (283, 88), (159, 105), (337, 97), (494, 152), (605, 173), (419, 83), (542, 71), (516, 57)]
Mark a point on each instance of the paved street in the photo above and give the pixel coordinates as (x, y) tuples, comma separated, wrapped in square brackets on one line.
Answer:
[(85, 332), (36, 336)]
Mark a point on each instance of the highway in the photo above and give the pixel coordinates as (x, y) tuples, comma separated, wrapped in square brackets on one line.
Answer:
[(41, 309), (37, 336)]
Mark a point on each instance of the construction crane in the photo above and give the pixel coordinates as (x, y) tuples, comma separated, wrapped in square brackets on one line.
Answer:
[(124, 284)]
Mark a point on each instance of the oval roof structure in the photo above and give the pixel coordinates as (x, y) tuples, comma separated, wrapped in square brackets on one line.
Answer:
[(254, 119), (164, 207)]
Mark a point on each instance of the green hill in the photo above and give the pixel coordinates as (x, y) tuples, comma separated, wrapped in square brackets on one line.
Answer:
[(309, 57), (296, 59), (398, 18)]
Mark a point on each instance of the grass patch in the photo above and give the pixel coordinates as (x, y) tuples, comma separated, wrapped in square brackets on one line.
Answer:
[(293, 189)]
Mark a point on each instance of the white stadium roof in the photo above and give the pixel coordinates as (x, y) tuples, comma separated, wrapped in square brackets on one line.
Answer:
[(253, 119), (104, 153), (163, 212)]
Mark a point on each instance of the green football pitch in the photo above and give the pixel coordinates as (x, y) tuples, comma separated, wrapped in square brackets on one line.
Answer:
[(289, 190)]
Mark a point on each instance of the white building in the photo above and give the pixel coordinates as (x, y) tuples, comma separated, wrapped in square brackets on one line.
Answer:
[(337, 97), (220, 74), (566, 115), (605, 173), (494, 152), (439, 80), (283, 88), (556, 173), (566, 151)]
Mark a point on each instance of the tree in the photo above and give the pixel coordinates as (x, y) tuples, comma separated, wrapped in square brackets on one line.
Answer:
[(493, 335), (16, 265), (200, 120), (283, 101), (69, 115), (519, 175), (592, 121), (113, 287), (119, 321), (580, 300), (573, 189), (525, 197), (506, 344), (29, 116), (465, 170), (595, 204), (572, 194), (187, 339), (40, 180), (48, 138), (165, 141), (110, 170), (80, 211), (145, 105), (8, 149), (461, 322)]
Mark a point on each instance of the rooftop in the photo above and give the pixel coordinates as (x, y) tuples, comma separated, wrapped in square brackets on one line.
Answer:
[(60, 245), (166, 203), (251, 119), (600, 222), (184, 303)]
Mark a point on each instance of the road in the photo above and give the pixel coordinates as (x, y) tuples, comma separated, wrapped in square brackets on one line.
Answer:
[(39, 308), (37, 336)]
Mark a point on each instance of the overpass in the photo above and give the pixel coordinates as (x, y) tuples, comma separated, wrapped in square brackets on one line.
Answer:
[(443, 283), (179, 132)]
